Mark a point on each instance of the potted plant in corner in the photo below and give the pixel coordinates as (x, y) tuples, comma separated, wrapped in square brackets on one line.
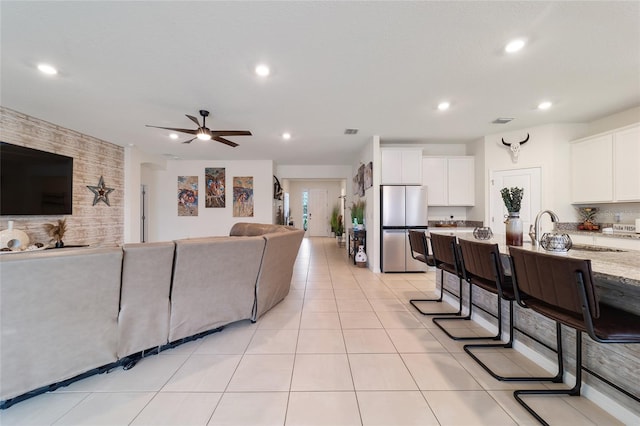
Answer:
[(512, 198)]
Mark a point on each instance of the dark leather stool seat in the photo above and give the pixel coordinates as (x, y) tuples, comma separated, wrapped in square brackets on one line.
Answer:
[(482, 267), (562, 289), (443, 258), (419, 243)]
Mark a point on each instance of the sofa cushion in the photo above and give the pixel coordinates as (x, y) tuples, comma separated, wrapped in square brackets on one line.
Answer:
[(59, 315), (143, 321), (214, 283)]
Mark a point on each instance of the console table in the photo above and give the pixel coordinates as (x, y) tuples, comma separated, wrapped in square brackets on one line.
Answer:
[(356, 238)]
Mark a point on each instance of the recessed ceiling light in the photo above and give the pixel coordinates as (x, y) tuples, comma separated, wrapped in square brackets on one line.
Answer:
[(545, 105), (263, 70), (173, 136), (443, 106), (514, 46), (47, 69), (286, 136)]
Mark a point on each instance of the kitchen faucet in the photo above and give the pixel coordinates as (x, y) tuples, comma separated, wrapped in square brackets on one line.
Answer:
[(535, 241)]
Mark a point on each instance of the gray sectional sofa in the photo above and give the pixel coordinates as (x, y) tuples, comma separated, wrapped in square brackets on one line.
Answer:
[(70, 313)]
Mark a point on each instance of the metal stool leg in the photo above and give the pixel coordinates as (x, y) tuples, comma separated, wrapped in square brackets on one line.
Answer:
[(574, 391), (438, 300), (555, 379), (437, 320)]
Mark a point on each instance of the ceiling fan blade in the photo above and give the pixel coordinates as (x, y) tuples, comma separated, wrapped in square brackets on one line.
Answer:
[(230, 133), (225, 141), (189, 141), (192, 118), (190, 131)]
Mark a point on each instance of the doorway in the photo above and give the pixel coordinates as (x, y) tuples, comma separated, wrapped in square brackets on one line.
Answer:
[(317, 213), (529, 179)]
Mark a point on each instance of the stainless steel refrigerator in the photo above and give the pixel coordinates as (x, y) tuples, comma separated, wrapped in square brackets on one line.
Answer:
[(402, 208)]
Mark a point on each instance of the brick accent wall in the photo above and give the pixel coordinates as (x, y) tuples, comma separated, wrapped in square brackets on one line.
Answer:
[(98, 225)]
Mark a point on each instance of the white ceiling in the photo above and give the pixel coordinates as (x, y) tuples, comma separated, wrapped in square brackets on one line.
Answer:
[(380, 67)]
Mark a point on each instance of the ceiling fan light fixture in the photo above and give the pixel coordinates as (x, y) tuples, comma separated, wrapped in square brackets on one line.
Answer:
[(203, 136), (443, 106)]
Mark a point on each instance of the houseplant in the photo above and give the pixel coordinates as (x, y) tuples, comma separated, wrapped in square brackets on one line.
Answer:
[(336, 224), (512, 198), (357, 211)]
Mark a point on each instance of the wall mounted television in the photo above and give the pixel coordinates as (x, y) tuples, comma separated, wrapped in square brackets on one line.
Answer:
[(34, 182)]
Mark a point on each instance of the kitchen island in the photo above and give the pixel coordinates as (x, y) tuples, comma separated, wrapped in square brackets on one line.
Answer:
[(611, 369)]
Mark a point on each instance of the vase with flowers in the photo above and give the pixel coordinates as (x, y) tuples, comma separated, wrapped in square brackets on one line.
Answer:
[(57, 231), (512, 198)]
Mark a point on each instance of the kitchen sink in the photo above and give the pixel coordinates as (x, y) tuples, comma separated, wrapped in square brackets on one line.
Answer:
[(583, 247)]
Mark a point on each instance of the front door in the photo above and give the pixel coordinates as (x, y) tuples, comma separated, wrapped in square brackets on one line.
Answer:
[(318, 218), (529, 179)]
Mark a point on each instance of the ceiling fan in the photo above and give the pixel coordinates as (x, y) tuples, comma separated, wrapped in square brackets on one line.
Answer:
[(204, 133)]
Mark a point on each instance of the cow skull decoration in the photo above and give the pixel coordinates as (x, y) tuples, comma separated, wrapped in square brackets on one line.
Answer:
[(515, 148)]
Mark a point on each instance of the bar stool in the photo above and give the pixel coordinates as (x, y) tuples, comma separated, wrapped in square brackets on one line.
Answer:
[(482, 267), (562, 289), (444, 258)]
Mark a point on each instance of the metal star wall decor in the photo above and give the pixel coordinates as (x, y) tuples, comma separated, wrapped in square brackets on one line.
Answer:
[(100, 192)]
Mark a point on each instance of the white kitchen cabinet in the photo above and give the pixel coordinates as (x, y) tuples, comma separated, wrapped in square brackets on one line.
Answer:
[(604, 168), (401, 166), (626, 164), (450, 181)]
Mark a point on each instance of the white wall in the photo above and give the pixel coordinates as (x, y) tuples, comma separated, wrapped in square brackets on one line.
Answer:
[(547, 148), (164, 222), (620, 119), (134, 170)]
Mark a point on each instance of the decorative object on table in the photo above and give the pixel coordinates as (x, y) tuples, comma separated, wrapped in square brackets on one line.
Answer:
[(482, 233), (512, 198), (214, 179), (556, 242), (13, 239), (100, 192), (243, 196), (357, 213), (361, 257), (515, 148), (187, 195), (56, 231), (588, 217)]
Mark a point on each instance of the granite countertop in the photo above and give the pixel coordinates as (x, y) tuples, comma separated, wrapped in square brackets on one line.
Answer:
[(626, 235), (620, 266)]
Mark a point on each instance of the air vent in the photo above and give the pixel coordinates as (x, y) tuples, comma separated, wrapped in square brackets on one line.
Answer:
[(501, 120), (350, 131)]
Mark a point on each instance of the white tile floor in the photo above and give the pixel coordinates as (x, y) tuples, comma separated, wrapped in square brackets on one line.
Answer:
[(344, 348)]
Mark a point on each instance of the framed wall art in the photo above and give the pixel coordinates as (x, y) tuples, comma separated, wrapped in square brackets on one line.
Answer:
[(187, 195), (243, 196), (214, 178)]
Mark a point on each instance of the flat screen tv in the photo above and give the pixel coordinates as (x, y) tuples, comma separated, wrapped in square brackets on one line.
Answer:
[(34, 182)]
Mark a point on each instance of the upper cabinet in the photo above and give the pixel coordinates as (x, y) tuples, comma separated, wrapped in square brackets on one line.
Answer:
[(604, 168), (401, 166), (626, 160), (450, 181)]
